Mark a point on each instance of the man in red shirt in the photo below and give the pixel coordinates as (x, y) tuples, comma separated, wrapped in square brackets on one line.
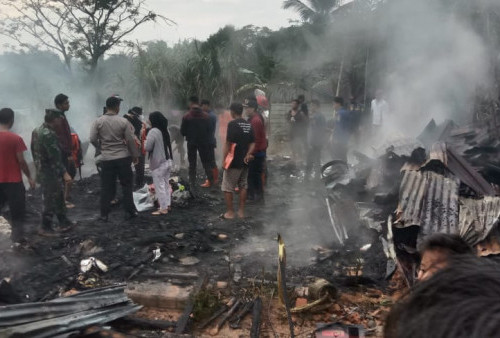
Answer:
[(256, 167), (12, 162)]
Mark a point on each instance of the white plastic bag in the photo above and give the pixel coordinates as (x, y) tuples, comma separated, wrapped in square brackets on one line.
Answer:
[(143, 199)]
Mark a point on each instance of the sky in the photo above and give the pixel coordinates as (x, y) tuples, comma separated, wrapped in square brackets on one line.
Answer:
[(200, 18)]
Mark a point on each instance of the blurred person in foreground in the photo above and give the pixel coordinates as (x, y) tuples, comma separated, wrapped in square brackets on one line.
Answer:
[(214, 179), (12, 165), (237, 153), (317, 138), (196, 127), (436, 251), (459, 301), (159, 147), (489, 248), (62, 130), (112, 133), (135, 117), (257, 166), (51, 173)]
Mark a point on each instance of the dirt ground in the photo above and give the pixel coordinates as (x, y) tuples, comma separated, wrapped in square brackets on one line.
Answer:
[(191, 234)]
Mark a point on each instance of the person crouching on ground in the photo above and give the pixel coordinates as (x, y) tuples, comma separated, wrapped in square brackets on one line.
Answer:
[(118, 151), (51, 172), (12, 162), (240, 144), (436, 251), (160, 160)]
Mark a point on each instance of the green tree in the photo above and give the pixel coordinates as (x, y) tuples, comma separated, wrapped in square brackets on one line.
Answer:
[(313, 11), (83, 29)]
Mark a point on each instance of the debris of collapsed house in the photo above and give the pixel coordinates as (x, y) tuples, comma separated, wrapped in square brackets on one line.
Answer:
[(446, 181), (403, 195), (63, 316)]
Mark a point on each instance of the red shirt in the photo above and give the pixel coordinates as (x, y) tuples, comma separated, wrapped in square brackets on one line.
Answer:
[(10, 145), (259, 131)]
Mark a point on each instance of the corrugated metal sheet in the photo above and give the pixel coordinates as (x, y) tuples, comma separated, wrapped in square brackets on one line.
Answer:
[(432, 201), (460, 168), (478, 217), (440, 208), (65, 315), (428, 200)]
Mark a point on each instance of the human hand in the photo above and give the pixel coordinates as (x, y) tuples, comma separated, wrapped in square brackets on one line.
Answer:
[(67, 178), (32, 183), (248, 158), (135, 160)]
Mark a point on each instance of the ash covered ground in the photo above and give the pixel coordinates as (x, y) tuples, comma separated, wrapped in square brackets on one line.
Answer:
[(190, 234)]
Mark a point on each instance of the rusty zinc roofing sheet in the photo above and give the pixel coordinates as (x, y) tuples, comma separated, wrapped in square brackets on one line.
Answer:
[(478, 217), (460, 168), (430, 201)]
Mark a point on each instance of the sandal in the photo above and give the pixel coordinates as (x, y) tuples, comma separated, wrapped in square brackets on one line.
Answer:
[(159, 213)]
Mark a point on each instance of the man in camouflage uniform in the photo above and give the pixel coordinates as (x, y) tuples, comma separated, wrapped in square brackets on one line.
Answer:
[(51, 172), (62, 130)]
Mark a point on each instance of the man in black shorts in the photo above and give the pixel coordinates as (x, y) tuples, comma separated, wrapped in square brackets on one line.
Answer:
[(239, 145)]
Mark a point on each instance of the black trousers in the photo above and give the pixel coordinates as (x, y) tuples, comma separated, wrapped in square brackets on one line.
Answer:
[(211, 157), (139, 172), (14, 194), (314, 160), (255, 170), (204, 151), (110, 170)]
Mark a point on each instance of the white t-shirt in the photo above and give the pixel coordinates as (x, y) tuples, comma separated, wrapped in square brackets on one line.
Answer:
[(380, 108)]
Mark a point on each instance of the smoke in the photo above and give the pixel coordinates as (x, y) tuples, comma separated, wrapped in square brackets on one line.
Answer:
[(437, 62), (30, 81)]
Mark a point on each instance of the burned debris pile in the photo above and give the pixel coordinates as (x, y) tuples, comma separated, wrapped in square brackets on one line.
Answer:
[(63, 316), (446, 182)]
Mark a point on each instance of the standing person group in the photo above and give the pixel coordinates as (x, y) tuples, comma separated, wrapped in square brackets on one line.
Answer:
[(114, 135), (310, 132)]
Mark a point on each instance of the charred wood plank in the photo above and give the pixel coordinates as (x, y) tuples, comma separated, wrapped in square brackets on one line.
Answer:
[(147, 323), (182, 322), (256, 318), (228, 315), (213, 317), (235, 323)]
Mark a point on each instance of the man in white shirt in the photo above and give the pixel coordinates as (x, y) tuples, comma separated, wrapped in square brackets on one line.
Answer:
[(379, 110)]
